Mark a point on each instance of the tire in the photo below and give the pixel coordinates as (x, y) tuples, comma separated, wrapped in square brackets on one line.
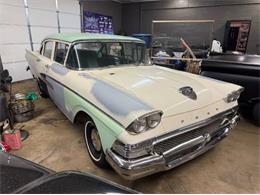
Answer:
[(42, 88), (94, 146), (256, 114)]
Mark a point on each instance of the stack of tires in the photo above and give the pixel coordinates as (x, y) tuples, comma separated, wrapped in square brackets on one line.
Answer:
[(23, 110)]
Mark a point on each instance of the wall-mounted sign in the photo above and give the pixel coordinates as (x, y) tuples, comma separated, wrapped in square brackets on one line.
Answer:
[(237, 35), (97, 23)]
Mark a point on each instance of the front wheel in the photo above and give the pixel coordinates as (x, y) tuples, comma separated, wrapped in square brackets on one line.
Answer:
[(94, 145)]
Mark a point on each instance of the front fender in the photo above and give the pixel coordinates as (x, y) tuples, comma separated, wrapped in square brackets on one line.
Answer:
[(108, 128), (106, 131)]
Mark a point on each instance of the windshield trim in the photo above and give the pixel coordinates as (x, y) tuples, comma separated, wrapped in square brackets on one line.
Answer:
[(73, 46), (107, 41)]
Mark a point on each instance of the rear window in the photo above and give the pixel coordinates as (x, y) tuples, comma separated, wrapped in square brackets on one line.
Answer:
[(60, 53), (48, 49)]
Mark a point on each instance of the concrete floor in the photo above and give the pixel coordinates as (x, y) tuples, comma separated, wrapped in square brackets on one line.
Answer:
[(231, 167)]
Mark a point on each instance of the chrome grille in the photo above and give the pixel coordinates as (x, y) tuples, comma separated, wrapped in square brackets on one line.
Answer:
[(181, 153), (217, 133), (212, 129)]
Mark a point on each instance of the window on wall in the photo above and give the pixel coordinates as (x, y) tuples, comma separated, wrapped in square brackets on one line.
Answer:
[(48, 49), (60, 53)]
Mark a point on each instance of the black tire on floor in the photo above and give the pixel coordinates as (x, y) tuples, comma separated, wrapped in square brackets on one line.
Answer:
[(93, 143), (256, 113), (42, 88)]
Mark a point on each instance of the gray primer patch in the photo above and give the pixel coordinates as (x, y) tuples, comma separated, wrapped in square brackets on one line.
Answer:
[(61, 70), (115, 100)]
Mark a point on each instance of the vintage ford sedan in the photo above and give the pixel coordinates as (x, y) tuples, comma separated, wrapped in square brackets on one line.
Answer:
[(138, 117)]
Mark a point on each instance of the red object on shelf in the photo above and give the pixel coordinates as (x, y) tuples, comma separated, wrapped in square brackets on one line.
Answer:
[(13, 139), (4, 147)]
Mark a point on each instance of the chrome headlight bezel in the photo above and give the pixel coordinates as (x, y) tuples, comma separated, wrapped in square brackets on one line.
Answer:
[(233, 96), (148, 121)]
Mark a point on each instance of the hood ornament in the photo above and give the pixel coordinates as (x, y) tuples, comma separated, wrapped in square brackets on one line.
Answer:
[(188, 92)]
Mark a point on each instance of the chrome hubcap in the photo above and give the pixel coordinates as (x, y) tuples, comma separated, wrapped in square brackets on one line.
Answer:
[(96, 139)]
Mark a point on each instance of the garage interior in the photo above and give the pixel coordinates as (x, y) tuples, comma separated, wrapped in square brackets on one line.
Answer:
[(233, 166)]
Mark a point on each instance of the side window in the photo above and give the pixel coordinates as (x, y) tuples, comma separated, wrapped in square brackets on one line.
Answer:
[(72, 59), (61, 50), (48, 49)]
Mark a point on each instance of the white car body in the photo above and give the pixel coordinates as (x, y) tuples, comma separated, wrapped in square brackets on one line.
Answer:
[(119, 95)]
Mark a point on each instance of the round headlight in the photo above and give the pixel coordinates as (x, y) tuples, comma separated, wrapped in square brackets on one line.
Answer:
[(139, 125), (154, 120), (233, 96), (145, 122)]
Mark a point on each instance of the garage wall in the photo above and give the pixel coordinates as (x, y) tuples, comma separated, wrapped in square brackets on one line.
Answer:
[(14, 38), (131, 18), (105, 7), (218, 10), (14, 34)]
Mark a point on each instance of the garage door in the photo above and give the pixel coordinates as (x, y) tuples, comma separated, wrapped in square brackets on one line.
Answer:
[(45, 17)]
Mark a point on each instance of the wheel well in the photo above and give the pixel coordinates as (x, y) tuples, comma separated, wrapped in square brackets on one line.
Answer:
[(81, 118)]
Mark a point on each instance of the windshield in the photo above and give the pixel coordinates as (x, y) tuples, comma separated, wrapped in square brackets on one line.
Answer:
[(103, 54)]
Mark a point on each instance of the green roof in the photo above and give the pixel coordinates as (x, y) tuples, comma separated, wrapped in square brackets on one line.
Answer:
[(72, 37)]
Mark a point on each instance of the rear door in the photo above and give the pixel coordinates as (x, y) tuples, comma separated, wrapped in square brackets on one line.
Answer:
[(39, 61), (44, 59)]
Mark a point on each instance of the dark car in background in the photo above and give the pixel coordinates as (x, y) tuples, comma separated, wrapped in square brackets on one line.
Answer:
[(243, 70), (18, 175)]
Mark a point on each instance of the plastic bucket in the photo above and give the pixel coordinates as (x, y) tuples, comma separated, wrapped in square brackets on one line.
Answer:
[(13, 139)]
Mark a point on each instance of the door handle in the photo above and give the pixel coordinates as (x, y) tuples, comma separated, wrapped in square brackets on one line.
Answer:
[(38, 60)]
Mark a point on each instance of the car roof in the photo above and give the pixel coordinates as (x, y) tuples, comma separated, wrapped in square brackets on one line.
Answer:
[(73, 37)]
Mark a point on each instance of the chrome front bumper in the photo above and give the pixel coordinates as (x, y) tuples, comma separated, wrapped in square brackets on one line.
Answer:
[(132, 169)]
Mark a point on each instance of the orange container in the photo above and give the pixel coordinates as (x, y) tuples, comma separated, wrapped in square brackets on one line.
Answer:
[(13, 139)]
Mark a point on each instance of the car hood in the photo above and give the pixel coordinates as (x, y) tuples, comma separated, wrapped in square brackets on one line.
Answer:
[(141, 89)]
